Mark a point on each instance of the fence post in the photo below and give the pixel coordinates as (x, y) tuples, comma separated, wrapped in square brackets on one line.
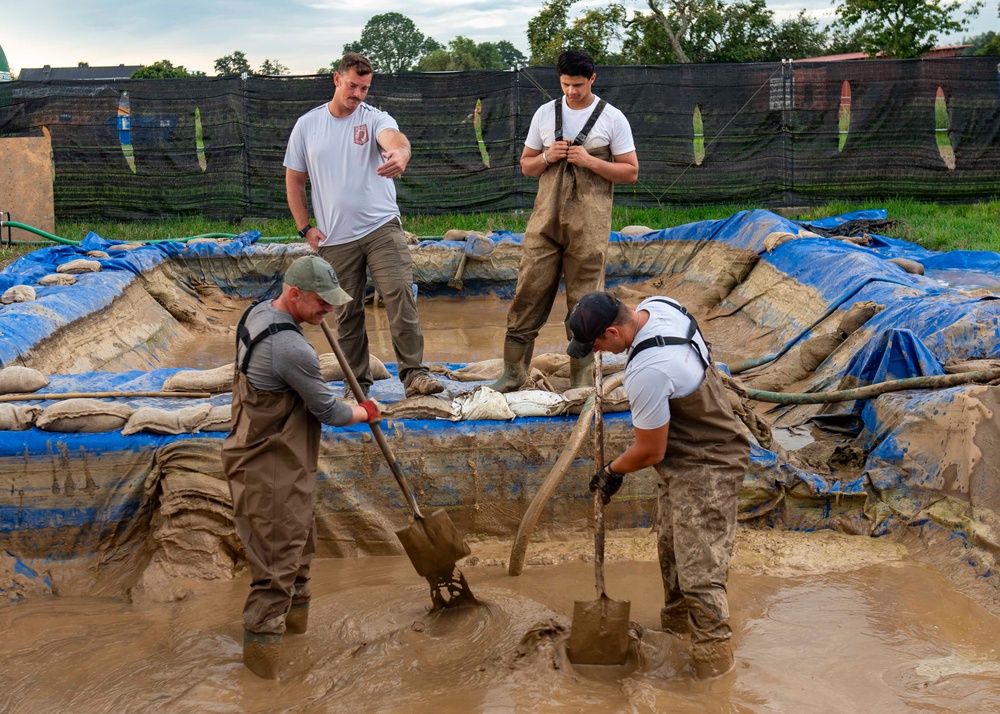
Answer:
[(245, 108)]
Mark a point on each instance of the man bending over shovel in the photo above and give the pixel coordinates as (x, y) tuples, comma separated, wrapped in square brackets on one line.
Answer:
[(673, 388), (270, 457)]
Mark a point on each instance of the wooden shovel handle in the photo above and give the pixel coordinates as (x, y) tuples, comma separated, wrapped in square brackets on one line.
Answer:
[(599, 461), (376, 430)]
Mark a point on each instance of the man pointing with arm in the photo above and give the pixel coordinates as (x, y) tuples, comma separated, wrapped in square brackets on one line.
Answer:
[(350, 152)]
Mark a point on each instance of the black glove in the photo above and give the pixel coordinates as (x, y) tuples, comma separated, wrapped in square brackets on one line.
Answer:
[(607, 481)]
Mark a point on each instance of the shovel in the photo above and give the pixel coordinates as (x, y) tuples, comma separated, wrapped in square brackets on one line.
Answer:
[(599, 633), (432, 543)]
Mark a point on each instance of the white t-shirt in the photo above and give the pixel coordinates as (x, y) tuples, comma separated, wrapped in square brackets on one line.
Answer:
[(659, 374), (611, 129), (341, 156)]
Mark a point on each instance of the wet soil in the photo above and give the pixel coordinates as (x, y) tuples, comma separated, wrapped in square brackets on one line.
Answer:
[(823, 622)]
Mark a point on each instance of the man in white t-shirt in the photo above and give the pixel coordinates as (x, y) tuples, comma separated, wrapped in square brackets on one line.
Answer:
[(673, 388), (350, 152), (579, 146)]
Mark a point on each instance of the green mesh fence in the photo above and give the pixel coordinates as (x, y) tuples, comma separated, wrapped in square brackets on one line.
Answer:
[(771, 134)]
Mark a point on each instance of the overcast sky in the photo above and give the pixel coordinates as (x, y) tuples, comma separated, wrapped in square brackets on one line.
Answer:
[(302, 34)]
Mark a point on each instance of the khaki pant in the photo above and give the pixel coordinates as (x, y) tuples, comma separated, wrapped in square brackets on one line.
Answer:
[(384, 253)]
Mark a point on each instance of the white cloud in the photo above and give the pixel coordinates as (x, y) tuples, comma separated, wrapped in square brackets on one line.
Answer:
[(302, 34)]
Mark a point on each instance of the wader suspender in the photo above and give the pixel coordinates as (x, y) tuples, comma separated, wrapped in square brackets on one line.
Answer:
[(661, 341), (582, 136), (243, 334)]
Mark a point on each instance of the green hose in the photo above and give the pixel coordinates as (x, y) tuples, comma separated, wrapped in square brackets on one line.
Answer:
[(38, 231), (68, 241), (940, 381)]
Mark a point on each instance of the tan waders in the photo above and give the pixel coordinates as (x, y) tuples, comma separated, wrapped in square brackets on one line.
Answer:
[(700, 476), (270, 460), (566, 238)]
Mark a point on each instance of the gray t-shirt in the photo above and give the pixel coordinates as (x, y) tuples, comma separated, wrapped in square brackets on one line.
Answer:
[(659, 374), (286, 361), (349, 200)]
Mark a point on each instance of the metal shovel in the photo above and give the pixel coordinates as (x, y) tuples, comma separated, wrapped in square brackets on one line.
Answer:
[(599, 633), (432, 543)]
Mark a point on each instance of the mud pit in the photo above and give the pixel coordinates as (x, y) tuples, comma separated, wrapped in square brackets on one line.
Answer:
[(822, 622)]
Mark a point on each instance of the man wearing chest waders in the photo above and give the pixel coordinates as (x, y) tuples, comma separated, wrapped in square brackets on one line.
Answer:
[(673, 388), (579, 146), (280, 399)]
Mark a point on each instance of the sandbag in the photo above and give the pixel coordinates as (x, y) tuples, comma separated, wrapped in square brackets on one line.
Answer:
[(421, 406), (57, 279), (76, 416), (550, 362), (216, 381), (535, 402), (329, 367), (80, 265), (635, 230), (18, 418), (21, 380), (219, 419), (125, 246), (489, 369), (481, 403), (614, 401), (96, 254), (17, 293), (858, 315), (167, 421)]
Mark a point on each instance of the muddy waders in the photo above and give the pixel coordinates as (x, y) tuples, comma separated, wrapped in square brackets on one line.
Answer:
[(581, 371), (270, 460), (516, 364)]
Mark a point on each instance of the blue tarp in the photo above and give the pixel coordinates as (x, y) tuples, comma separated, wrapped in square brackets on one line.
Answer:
[(922, 325)]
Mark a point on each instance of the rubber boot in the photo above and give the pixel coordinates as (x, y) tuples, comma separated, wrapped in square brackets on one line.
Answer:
[(581, 371), (297, 620), (674, 618), (516, 361), (261, 654), (712, 659)]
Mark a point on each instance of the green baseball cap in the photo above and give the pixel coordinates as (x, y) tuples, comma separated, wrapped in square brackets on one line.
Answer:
[(315, 275)]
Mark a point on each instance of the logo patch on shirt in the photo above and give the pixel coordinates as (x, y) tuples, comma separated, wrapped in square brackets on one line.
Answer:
[(361, 134)]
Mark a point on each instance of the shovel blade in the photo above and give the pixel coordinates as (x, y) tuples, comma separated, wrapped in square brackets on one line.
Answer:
[(433, 544), (599, 634)]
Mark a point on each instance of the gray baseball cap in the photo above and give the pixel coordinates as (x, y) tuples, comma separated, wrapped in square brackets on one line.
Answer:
[(315, 275)]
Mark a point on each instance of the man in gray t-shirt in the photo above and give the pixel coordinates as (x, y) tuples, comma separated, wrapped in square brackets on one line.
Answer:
[(350, 152)]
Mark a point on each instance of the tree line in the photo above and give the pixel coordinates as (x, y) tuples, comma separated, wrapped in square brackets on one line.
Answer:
[(661, 32)]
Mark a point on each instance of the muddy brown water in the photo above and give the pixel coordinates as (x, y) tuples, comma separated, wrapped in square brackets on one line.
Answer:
[(455, 330), (823, 623)]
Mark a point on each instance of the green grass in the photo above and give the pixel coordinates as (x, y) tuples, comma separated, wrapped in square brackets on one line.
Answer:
[(974, 226)]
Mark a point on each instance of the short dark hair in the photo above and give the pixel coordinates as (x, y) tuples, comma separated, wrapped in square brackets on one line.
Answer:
[(359, 63), (575, 63)]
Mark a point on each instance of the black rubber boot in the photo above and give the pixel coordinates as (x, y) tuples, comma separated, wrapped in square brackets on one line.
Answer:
[(581, 371), (516, 361)]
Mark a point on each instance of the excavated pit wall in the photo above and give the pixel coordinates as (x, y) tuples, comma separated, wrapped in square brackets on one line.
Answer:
[(161, 502)]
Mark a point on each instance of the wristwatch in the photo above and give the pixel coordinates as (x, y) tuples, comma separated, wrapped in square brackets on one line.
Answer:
[(303, 231)]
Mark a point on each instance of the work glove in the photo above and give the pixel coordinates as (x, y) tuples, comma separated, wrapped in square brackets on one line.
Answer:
[(607, 481), (372, 410)]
